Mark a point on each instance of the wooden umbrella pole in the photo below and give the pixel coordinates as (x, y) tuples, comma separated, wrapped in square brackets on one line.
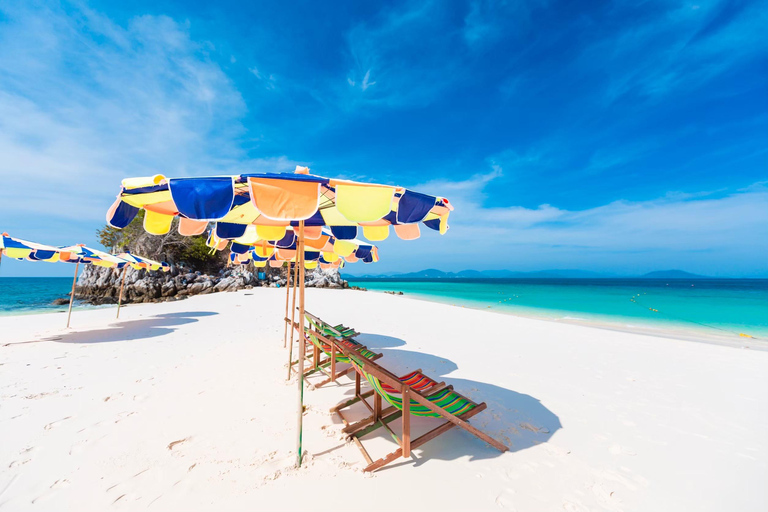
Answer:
[(120, 297), (72, 295), (287, 297), (293, 313), (301, 343)]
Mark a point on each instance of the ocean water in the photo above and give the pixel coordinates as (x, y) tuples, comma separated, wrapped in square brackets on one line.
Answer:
[(19, 295), (718, 307)]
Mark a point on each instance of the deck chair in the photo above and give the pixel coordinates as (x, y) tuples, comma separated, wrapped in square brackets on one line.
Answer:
[(414, 394), (333, 355), (312, 356), (327, 329)]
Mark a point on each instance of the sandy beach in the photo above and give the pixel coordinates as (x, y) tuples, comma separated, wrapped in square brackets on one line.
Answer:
[(184, 406)]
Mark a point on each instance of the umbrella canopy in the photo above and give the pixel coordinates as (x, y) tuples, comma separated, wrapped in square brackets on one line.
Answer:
[(274, 202), (139, 262), (23, 250), (82, 254), (262, 209), (326, 251)]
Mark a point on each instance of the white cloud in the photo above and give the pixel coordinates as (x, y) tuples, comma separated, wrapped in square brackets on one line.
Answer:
[(86, 102), (678, 230)]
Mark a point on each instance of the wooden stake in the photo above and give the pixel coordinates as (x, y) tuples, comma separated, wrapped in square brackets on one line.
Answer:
[(122, 285), (302, 346), (72, 295), (287, 296)]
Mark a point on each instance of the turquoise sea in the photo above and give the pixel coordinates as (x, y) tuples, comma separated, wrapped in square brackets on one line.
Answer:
[(717, 307), (19, 295)]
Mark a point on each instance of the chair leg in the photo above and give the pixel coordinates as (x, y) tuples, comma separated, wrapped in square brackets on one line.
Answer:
[(333, 363), (351, 401), (419, 441), (406, 443)]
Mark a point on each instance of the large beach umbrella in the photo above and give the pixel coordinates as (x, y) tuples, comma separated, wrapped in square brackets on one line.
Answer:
[(273, 203)]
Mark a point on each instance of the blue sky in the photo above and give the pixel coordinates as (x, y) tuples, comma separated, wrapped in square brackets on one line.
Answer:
[(600, 136)]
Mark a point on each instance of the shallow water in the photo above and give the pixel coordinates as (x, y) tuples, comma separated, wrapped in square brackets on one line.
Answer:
[(725, 307), (19, 295)]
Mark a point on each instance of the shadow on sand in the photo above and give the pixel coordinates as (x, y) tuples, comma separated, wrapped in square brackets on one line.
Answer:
[(518, 420), (130, 330)]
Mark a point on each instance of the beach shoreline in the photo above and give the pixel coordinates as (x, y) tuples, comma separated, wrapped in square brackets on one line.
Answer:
[(754, 335), (682, 333), (185, 405), (674, 330)]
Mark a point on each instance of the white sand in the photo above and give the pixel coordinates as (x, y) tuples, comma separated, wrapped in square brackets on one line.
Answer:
[(184, 406)]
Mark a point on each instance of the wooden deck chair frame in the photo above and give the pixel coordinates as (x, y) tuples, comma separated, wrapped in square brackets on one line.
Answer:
[(338, 331), (381, 418), (317, 364), (331, 359)]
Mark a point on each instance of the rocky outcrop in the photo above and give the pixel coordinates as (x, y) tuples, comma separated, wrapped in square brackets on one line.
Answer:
[(98, 285), (319, 278)]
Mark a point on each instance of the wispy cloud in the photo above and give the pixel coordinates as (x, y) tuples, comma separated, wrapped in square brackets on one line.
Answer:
[(680, 49), (268, 80), (85, 102), (678, 230), (402, 51)]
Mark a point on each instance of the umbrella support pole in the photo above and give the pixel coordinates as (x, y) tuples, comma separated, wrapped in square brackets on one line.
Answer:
[(72, 294), (293, 315), (287, 297), (302, 346), (120, 297)]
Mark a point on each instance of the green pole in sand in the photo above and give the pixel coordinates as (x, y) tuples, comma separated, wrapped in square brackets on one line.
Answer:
[(300, 262)]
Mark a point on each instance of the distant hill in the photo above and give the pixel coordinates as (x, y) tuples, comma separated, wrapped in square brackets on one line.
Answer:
[(671, 274), (432, 273)]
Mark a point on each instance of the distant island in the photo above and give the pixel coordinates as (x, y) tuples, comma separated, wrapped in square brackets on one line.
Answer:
[(672, 274), (432, 273)]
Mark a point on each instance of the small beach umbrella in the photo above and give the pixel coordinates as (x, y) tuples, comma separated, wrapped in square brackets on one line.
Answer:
[(137, 262), (274, 202), (24, 250), (78, 254)]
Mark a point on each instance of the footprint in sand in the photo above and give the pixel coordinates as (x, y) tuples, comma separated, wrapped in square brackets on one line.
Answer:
[(532, 428), (125, 414), (573, 507), (58, 484), (55, 424), (176, 443), (622, 450), (504, 500), (607, 498)]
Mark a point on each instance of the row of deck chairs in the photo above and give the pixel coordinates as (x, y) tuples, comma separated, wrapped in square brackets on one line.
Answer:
[(393, 397)]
